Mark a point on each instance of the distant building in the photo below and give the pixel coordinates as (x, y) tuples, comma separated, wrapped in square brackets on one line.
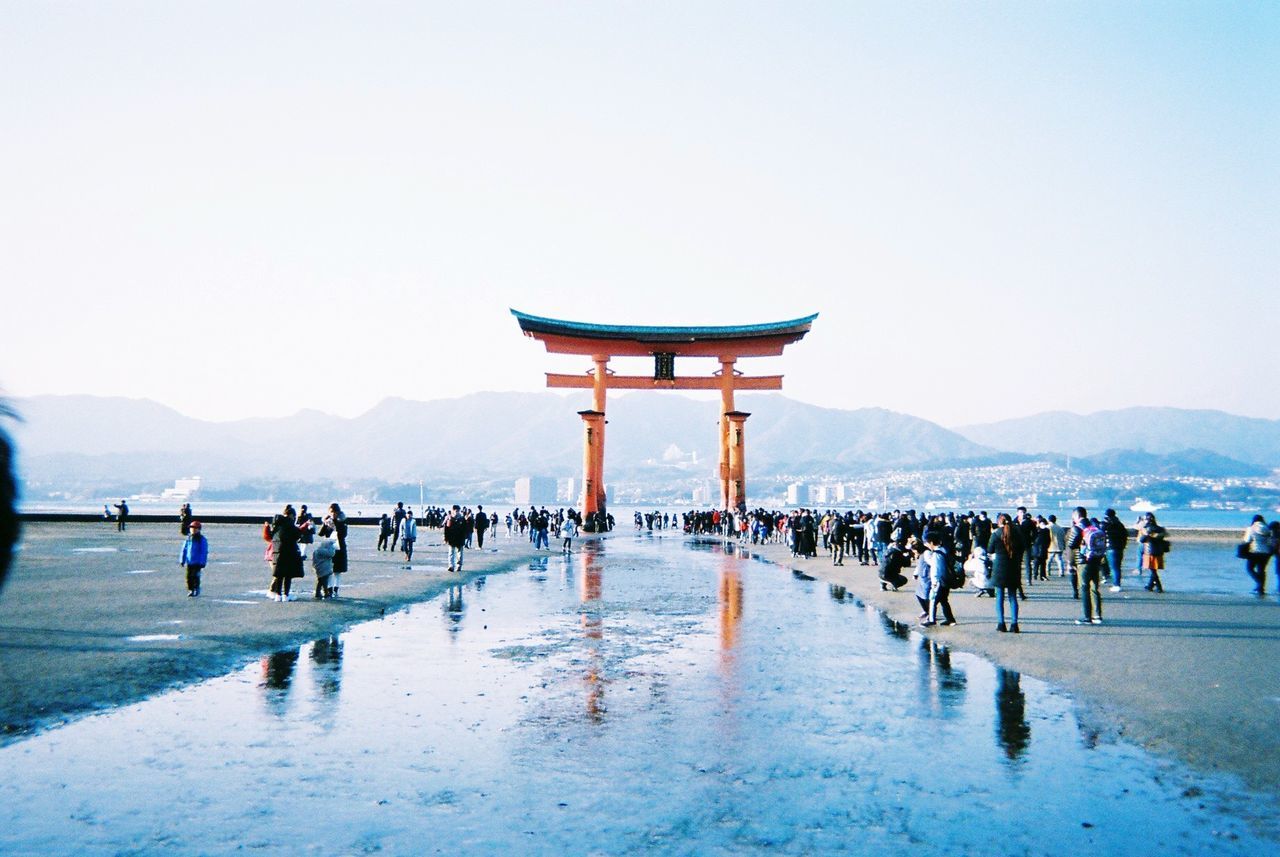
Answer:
[(535, 490), (703, 495), (182, 489), (797, 494)]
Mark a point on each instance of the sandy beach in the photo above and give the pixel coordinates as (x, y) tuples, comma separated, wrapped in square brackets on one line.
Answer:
[(93, 619)]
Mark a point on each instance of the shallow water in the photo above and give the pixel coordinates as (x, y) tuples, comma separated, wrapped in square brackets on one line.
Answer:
[(642, 694)]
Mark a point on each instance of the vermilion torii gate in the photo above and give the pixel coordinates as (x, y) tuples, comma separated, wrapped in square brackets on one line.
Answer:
[(726, 344)]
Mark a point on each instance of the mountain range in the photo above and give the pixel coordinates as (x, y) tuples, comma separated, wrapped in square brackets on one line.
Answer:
[(85, 440), (1147, 429)]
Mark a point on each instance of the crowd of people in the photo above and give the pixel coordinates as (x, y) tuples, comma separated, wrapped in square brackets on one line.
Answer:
[(294, 536), (1001, 558)]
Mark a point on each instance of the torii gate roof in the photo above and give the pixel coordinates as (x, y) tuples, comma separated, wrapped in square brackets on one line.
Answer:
[(577, 337)]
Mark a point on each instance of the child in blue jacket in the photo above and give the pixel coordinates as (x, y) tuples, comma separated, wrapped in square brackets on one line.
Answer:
[(195, 556)]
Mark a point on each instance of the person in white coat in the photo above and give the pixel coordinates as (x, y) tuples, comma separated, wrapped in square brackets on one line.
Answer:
[(408, 535)]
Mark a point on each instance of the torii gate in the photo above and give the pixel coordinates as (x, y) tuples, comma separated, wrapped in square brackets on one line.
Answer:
[(726, 344)]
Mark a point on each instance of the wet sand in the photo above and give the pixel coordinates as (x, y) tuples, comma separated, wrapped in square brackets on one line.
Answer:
[(92, 618), (1188, 675)]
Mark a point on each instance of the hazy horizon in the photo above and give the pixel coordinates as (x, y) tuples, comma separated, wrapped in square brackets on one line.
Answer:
[(692, 395)]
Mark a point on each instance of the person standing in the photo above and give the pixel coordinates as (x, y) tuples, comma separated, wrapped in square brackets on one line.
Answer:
[(397, 515), (1005, 550), (1026, 527), (184, 519), (1087, 535), (931, 588), (306, 535), (1258, 549), (408, 536), (1040, 549), (1117, 540), (122, 515), (322, 563), (286, 562), (455, 536), (569, 531), (1057, 546), (336, 520), (482, 524), (194, 557), (384, 531), (1155, 544)]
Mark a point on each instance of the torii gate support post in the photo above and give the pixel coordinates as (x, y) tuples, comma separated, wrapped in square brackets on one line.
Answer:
[(592, 459), (594, 497), (726, 407), (737, 501)]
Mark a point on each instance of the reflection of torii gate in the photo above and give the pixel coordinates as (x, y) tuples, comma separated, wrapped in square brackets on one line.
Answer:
[(726, 344)]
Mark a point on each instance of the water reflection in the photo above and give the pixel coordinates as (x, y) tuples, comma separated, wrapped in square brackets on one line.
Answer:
[(941, 686), (729, 731), (1012, 729), (591, 616), (837, 592), (730, 606), (894, 628), (277, 678), (453, 609)]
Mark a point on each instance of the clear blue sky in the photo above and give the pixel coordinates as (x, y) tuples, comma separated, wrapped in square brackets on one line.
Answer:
[(243, 209)]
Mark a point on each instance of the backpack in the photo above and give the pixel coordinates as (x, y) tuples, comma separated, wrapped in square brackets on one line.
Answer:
[(953, 577), (1093, 543)]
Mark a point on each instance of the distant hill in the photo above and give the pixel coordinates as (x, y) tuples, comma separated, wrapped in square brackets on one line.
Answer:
[(484, 435), (1152, 430), (1187, 462)]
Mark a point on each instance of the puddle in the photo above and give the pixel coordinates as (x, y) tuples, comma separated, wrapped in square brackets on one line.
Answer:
[(153, 638), (95, 550), (637, 697), (143, 571)]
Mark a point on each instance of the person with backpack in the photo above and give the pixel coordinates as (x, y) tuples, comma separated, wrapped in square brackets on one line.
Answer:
[(1117, 539), (1090, 538), (1006, 550), (933, 576), (1257, 548)]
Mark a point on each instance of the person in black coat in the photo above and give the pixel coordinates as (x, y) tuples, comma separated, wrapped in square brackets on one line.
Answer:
[(9, 525), (1005, 549), (286, 562)]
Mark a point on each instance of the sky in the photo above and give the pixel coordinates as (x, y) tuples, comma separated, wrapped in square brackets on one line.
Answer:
[(243, 209)]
